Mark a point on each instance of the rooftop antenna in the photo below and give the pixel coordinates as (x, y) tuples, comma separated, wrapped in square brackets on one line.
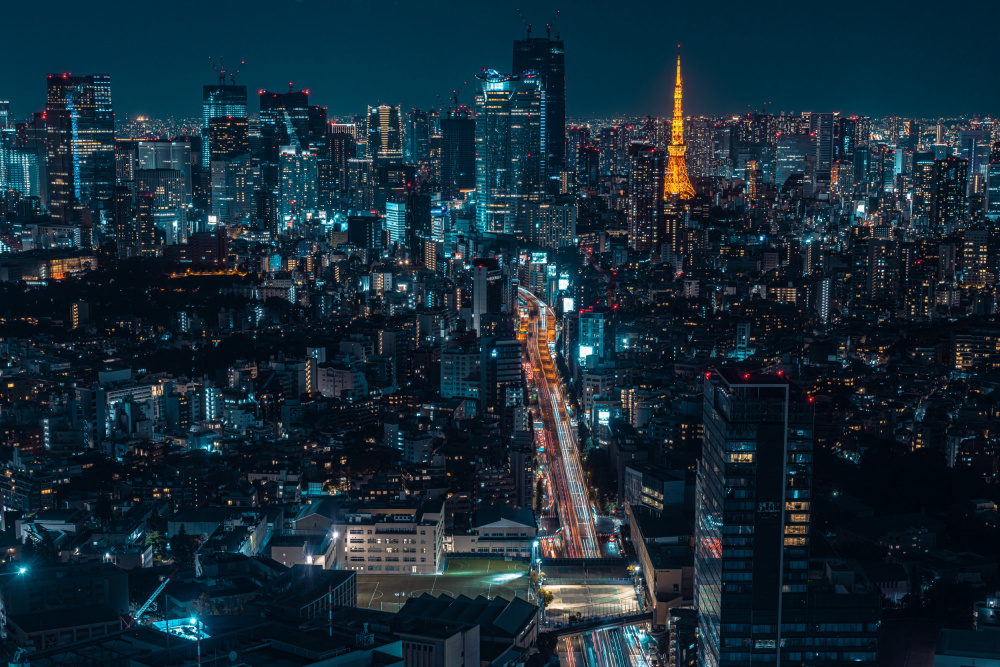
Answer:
[(550, 26), (524, 22), (289, 86)]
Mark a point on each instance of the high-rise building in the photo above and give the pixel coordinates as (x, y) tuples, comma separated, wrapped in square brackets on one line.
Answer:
[(417, 145), (385, 134), (286, 119), (821, 129), (645, 201), (791, 153), (756, 603), (396, 222), (219, 101), (228, 137), (552, 224), (547, 57), (144, 232), (298, 185), (510, 161), (167, 155), (169, 204), (950, 185), (80, 135), (993, 184), (676, 181), (458, 153)]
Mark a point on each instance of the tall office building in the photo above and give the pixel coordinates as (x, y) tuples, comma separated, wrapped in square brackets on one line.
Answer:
[(286, 119), (792, 152), (756, 603), (396, 222), (547, 57), (487, 292), (80, 135), (951, 179), (645, 200), (298, 185), (169, 204), (144, 232), (167, 155), (219, 101), (510, 161), (418, 135), (993, 184), (552, 224), (821, 129), (385, 134), (228, 137), (458, 153)]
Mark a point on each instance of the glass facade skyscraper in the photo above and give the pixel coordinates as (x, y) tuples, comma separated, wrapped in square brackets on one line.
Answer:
[(220, 101), (753, 496), (510, 162), (80, 134), (547, 57)]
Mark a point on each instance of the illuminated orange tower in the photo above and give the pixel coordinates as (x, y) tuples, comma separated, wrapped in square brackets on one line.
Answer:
[(677, 181)]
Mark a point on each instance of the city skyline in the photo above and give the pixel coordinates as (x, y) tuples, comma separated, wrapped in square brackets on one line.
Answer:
[(896, 75)]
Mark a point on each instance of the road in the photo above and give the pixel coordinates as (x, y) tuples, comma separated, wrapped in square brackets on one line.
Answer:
[(573, 503)]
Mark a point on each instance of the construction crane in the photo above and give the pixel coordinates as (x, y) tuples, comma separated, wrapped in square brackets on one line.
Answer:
[(145, 606), (220, 70), (232, 75), (524, 22), (550, 26)]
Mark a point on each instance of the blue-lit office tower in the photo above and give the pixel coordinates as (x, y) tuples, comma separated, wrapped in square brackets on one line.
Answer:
[(753, 495), (219, 101), (417, 147), (510, 162), (993, 184), (792, 152), (547, 57), (80, 135)]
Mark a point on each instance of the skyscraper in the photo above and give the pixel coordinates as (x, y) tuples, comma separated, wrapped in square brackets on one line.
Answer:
[(510, 161), (547, 57), (821, 129), (645, 203), (228, 137), (80, 133), (752, 511), (993, 184), (385, 134), (458, 152), (219, 101), (676, 181), (417, 137), (755, 599)]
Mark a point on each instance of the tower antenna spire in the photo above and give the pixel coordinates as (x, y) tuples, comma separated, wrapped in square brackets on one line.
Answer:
[(677, 181)]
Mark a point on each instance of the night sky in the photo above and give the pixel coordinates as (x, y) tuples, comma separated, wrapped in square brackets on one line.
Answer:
[(875, 58)]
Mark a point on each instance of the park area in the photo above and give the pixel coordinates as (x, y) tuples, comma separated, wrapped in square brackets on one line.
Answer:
[(462, 576)]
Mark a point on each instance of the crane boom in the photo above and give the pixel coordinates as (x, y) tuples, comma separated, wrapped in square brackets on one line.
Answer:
[(145, 606)]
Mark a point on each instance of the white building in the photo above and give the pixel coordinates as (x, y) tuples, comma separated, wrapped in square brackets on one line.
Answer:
[(403, 538), (504, 530)]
